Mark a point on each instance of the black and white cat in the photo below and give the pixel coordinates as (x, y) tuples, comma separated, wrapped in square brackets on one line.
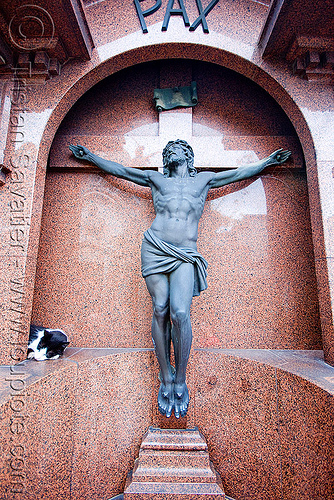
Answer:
[(45, 343)]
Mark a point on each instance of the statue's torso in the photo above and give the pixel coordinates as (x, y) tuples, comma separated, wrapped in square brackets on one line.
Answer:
[(178, 204)]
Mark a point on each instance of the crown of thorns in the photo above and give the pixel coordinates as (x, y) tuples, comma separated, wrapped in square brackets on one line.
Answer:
[(189, 153)]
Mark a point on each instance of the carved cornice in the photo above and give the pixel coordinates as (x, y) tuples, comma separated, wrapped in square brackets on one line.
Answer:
[(302, 33), (37, 39), (312, 58)]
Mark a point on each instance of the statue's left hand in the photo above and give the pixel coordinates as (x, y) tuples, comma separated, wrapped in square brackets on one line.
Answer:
[(279, 157), (80, 152)]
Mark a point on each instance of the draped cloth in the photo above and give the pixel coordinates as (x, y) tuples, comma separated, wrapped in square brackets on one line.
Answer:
[(160, 257)]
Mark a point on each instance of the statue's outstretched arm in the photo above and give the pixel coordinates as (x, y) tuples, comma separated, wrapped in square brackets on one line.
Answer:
[(111, 167), (246, 171)]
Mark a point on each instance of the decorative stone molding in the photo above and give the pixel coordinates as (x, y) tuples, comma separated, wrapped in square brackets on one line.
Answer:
[(312, 58), (37, 66), (301, 33), (37, 39)]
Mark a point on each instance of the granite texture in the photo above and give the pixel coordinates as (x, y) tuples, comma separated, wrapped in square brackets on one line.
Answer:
[(307, 435), (266, 416), (113, 402), (19, 245), (57, 96), (81, 416), (234, 407), (259, 401), (173, 464), (241, 19), (93, 224), (5, 106), (37, 430), (112, 307)]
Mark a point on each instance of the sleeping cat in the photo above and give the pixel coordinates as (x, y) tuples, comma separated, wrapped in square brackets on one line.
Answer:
[(45, 343)]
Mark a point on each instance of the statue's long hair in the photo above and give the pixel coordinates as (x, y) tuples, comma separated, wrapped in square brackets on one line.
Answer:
[(189, 153)]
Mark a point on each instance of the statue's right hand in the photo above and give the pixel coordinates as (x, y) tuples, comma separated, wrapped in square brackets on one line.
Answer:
[(80, 152)]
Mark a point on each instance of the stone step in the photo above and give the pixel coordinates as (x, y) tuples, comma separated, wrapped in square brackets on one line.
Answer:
[(167, 458), (173, 464), (173, 439), (173, 491), (121, 497), (179, 474)]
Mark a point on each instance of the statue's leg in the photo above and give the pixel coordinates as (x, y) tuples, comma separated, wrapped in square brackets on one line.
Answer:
[(181, 293), (158, 286)]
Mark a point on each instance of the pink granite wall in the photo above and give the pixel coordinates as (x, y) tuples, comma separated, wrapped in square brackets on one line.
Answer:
[(256, 235), (228, 17), (72, 429), (255, 410), (267, 415)]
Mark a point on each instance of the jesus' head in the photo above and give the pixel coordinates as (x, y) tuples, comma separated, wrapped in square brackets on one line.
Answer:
[(188, 154)]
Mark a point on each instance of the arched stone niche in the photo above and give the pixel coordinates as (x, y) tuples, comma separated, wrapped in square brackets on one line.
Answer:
[(265, 413), (256, 235)]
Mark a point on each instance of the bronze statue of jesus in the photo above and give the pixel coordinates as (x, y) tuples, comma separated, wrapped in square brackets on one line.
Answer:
[(173, 269)]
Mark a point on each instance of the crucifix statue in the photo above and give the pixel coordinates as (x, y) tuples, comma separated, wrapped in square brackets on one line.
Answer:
[(173, 269)]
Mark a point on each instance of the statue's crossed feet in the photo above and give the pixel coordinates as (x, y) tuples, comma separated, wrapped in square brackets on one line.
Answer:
[(166, 399), (181, 400), (173, 396)]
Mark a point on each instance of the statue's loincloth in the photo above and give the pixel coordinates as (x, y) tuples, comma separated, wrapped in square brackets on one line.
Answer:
[(159, 257)]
